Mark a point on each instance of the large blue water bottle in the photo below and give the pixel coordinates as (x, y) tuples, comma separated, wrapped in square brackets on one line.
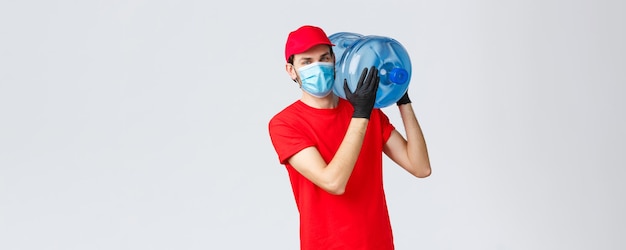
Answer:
[(354, 51)]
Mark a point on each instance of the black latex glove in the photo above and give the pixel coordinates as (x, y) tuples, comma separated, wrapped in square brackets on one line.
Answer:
[(404, 99), (364, 95)]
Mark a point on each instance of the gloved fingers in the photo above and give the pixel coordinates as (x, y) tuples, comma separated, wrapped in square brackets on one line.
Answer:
[(372, 80), (361, 79), (404, 99), (346, 89)]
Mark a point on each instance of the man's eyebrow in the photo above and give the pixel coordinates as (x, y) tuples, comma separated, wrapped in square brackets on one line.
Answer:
[(304, 59), (325, 54), (309, 58)]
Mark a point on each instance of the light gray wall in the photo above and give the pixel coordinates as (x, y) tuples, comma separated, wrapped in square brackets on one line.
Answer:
[(143, 124)]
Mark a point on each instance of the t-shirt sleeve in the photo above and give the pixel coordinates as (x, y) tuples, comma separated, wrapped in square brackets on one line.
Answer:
[(286, 139)]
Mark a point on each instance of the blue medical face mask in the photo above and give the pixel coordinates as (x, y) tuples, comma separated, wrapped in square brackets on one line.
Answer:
[(317, 78)]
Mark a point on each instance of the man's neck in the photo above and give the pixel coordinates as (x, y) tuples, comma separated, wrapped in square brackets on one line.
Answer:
[(328, 102)]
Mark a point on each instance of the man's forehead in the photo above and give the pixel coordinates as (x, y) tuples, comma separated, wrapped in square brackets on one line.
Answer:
[(314, 53)]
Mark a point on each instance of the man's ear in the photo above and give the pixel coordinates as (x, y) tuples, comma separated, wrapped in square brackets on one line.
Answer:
[(291, 70)]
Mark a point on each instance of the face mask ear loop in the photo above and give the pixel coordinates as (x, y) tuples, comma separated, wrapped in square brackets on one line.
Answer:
[(297, 76)]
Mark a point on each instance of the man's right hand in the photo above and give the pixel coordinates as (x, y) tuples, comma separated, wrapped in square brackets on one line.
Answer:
[(364, 96)]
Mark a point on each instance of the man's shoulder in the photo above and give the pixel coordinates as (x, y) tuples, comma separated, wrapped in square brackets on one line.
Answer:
[(285, 114), (287, 109)]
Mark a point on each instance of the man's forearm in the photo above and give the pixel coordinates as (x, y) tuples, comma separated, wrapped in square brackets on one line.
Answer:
[(341, 166), (416, 144)]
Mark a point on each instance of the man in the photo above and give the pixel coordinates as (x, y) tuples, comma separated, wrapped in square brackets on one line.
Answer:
[(332, 149)]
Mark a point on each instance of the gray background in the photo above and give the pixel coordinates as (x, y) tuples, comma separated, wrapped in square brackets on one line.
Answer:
[(143, 124)]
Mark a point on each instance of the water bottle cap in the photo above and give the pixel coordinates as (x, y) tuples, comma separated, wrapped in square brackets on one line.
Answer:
[(399, 76)]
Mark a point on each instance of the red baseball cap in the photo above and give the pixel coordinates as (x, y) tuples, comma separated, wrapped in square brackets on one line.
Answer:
[(304, 38)]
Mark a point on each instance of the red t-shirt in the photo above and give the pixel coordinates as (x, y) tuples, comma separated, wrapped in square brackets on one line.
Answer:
[(357, 219)]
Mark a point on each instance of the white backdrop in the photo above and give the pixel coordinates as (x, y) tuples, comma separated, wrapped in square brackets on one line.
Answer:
[(143, 124)]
